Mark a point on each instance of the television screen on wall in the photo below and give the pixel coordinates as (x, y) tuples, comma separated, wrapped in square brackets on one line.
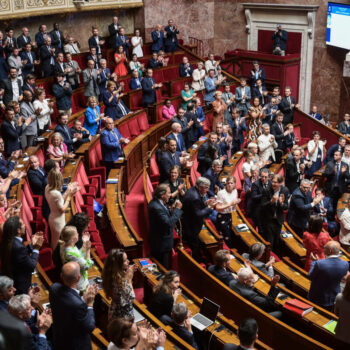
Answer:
[(338, 25)]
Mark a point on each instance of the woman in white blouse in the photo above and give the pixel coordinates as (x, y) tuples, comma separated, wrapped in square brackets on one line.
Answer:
[(198, 77), (315, 152), (137, 43), (227, 199), (46, 109)]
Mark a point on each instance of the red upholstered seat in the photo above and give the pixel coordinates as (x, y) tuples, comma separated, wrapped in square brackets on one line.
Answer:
[(136, 99), (158, 75), (36, 210), (78, 101), (142, 121), (171, 73), (124, 130), (154, 170), (133, 127)]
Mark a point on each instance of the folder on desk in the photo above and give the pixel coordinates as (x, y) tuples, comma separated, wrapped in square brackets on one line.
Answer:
[(330, 326), (298, 307)]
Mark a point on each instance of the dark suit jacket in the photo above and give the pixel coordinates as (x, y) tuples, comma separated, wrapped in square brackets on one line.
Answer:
[(57, 41), (221, 274), (10, 135), (327, 204), (266, 303), (162, 222), (287, 110), (57, 68), (331, 151), (238, 134), (67, 136), (195, 211), (8, 93), (325, 276), (280, 40), (24, 261), (214, 180), (28, 67), (133, 83), (45, 56), (299, 209), (126, 44), (253, 79), (39, 39), (279, 137), (21, 43), (292, 175), (6, 167), (185, 72), (180, 143), (256, 93), (63, 96), (232, 347), (343, 128), (74, 321), (166, 163), (171, 39), (332, 181), (37, 181), (148, 94), (92, 43), (154, 63), (84, 139), (257, 195), (204, 162)]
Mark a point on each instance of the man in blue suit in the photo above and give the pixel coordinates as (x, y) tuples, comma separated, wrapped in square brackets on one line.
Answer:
[(243, 96), (41, 35), (210, 84), (279, 38), (105, 75), (337, 147), (149, 96), (222, 262), (238, 126), (158, 39), (69, 138), (29, 60), (301, 204), (171, 37), (314, 114), (177, 136), (7, 291), (74, 316), (135, 81), (162, 221), (257, 73), (123, 40), (24, 38), (213, 175), (63, 93), (111, 141), (36, 175), (169, 158), (326, 275)]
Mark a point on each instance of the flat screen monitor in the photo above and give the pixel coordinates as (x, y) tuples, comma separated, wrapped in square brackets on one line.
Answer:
[(338, 25)]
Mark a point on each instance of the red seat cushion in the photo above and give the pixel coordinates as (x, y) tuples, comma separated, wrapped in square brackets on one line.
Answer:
[(124, 130), (142, 121), (135, 99), (134, 127)]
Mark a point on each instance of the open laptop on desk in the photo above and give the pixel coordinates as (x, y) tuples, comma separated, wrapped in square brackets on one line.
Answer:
[(206, 316)]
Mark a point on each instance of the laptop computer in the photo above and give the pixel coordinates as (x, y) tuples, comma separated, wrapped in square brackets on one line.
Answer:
[(206, 316)]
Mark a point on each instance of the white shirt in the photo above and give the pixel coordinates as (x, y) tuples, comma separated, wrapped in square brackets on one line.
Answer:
[(346, 159), (223, 197), (310, 147), (15, 90), (45, 115), (344, 234), (266, 148), (246, 167)]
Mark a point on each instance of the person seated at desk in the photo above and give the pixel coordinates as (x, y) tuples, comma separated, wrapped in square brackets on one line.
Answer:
[(314, 113), (168, 110), (165, 294), (256, 251), (111, 141), (344, 126), (244, 286), (58, 151), (219, 270), (180, 321), (7, 291), (154, 62), (185, 68), (135, 81), (78, 129)]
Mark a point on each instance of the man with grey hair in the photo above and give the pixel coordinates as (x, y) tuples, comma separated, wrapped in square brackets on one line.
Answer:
[(162, 221), (180, 321), (21, 308), (213, 175), (73, 74), (7, 291), (300, 207), (267, 144), (177, 136), (196, 206), (91, 79), (244, 286)]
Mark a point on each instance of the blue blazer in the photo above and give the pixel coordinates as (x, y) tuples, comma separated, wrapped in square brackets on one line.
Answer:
[(200, 114), (110, 145), (37, 181), (149, 96), (89, 121), (210, 89), (185, 72), (214, 180), (166, 163), (327, 204), (74, 321), (325, 276), (158, 42), (67, 136), (103, 81), (126, 45), (24, 261), (331, 151), (221, 274), (238, 134), (239, 95), (317, 116), (171, 39), (161, 225), (180, 143), (39, 38), (63, 96), (28, 67), (135, 83), (10, 135), (21, 43)]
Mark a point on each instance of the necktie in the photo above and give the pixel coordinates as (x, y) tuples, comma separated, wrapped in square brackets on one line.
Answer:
[(41, 171), (25, 38), (281, 127), (289, 101), (67, 131), (338, 171), (115, 134)]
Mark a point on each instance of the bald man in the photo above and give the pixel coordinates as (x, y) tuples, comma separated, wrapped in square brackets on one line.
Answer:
[(74, 318), (326, 275)]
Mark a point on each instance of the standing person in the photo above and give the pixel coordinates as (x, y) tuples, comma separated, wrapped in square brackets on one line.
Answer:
[(267, 144), (229, 99), (158, 39), (295, 169), (210, 84), (123, 40), (91, 79), (93, 116), (344, 220), (149, 87), (243, 96), (74, 315), (196, 207), (238, 126), (273, 204), (137, 43), (17, 260), (171, 32), (112, 99), (58, 203), (46, 109), (47, 58), (314, 240), (29, 112), (300, 206), (288, 105), (198, 77), (117, 276), (96, 41), (120, 62), (257, 73), (315, 151), (63, 93), (113, 30), (187, 95), (74, 72), (219, 107), (10, 89), (326, 275), (279, 38), (162, 222)]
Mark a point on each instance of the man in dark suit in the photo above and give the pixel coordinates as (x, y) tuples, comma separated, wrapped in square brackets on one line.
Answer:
[(62, 127), (187, 125), (295, 169), (60, 66), (257, 73), (29, 60), (337, 177), (213, 175), (47, 57), (113, 30), (169, 158), (96, 41), (24, 38), (7, 91), (123, 40), (170, 41), (247, 334), (300, 206), (162, 221), (153, 61), (177, 136), (326, 275), (287, 106), (259, 91), (259, 187), (244, 286), (149, 87), (62, 90), (219, 270), (273, 203), (186, 68), (337, 147), (279, 38), (77, 129), (57, 37), (238, 126), (158, 39), (271, 110), (196, 207), (344, 126), (74, 316), (36, 176), (11, 132), (180, 321), (11, 41), (314, 114), (41, 35)]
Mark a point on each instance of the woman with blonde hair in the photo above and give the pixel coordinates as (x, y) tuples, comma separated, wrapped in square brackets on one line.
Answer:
[(58, 203), (93, 116), (70, 252), (58, 151)]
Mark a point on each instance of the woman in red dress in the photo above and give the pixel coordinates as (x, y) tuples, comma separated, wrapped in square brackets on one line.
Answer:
[(314, 240), (120, 62)]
